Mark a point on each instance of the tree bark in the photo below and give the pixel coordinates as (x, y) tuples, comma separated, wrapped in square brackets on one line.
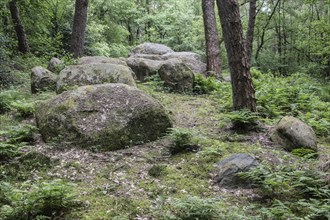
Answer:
[(211, 38), (79, 28), (250, 31), (241, 80), (23, 45)]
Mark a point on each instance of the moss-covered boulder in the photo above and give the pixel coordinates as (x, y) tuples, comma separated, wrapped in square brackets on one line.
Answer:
[(42, 80), (192, 60), (96, 73), (177, 76), (105, 116), (291, 133), (229, 169), (101, 59), (55, 65), (151, 48), (144, 67)]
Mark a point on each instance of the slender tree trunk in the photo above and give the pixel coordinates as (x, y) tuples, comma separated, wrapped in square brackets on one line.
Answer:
[(23, 45), (262, 37), (250, 31), (211, 38), (79, 28), (241, 80)]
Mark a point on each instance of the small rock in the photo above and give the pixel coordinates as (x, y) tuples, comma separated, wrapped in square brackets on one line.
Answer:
[(291, 133), (229, 168), (55, 65)]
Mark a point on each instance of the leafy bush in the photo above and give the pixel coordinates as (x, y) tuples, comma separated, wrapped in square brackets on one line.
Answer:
[(182, 140), (243, 119), (8, 152), (203, 85), (45, 200), (22, 133), (281, 96), (291, 192), (304, 153), (157, 170), (191, 208)]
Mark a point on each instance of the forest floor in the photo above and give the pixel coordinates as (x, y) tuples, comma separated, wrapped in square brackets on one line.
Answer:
[(147, 182)]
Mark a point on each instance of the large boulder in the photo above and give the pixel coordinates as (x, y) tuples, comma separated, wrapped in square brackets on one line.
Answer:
[(105, 116), (95, 73), (144, 67), (151, 48), (146, 59), (291, 133), (42, 80), (101, 59), (192, 60), (177, 76), (55, 65), (229, 169)]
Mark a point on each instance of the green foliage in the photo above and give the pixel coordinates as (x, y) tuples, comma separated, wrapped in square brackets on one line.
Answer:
[(13, 100), (182, 140), (191, 208), (304, 152), (22, 133), (243, 119), (157, 170), (8, 152), (203, 85), (45, 200), (279, 96), (291, 192)]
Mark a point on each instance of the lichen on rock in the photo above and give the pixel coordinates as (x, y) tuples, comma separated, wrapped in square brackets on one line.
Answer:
[(105, 116)]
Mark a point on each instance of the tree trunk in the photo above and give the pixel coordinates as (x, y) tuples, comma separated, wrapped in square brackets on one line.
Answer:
[(250, 31), (241, 80), (23, 45), (211, 38), (79, 28)]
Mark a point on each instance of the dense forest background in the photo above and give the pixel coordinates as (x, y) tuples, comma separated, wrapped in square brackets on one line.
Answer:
[(289, 36)]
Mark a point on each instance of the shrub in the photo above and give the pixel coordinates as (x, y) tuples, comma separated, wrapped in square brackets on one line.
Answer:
[(22, 133), (191, 208), (182, 140), (288, 191), (45, 200), (243, 119), (281, 96), (8, 152), (203, 85), (157, 170)]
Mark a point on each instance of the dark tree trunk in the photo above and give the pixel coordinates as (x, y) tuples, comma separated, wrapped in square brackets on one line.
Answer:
[(211, 38), (250, 31), (241, 80), (23, 45), (79, 28)]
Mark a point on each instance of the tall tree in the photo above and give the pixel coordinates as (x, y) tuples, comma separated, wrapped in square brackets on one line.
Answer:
[(241, 80), (79, 28), (250, 31), (211, 38), (23, 45)]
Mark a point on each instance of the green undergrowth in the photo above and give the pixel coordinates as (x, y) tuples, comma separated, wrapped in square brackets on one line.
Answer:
[(173, 179), (42, 200), (290, 191)]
